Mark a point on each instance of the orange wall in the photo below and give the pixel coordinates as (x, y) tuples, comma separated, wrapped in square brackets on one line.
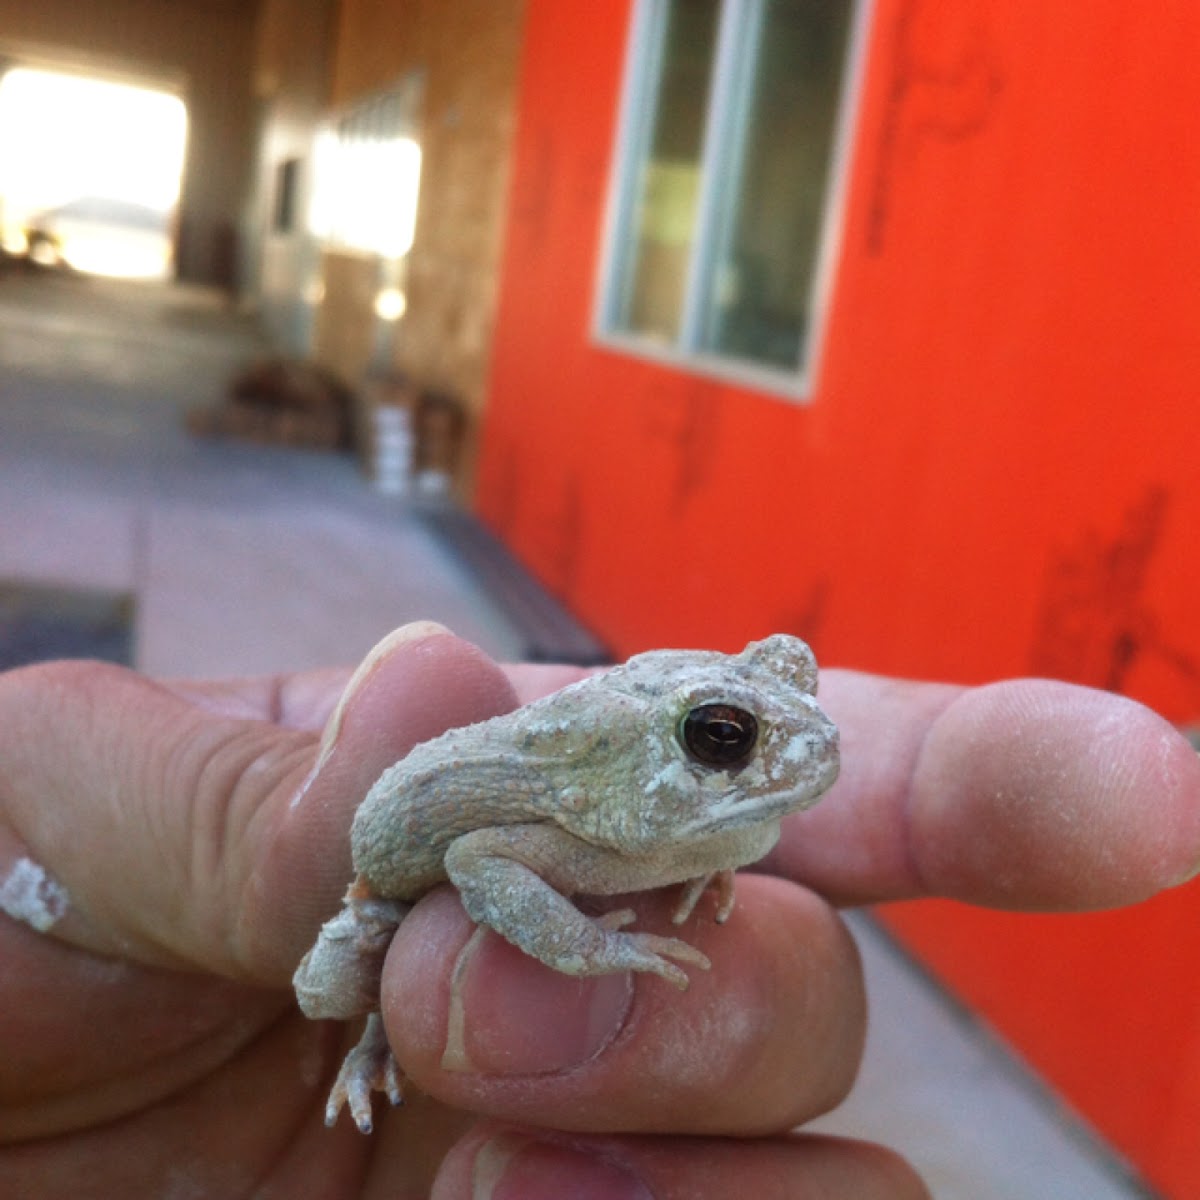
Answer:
[(1006, 384), (997, 472)]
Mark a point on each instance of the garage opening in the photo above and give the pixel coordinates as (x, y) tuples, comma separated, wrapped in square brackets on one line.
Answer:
[(89, 173)]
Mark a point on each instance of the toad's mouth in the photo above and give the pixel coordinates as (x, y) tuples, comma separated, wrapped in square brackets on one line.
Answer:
[(816, 773), (738, 812)]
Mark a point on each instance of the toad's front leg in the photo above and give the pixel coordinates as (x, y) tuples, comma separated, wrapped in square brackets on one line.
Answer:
[(513, 879), (695, 888)]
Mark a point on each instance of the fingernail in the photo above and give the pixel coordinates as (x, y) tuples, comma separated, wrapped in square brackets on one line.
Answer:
[(1187, 877), (512, 1015), (514, 1169), (415, 631)]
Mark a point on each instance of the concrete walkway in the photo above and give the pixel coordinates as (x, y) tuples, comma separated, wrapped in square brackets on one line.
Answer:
[(244, 559), (241, 558)]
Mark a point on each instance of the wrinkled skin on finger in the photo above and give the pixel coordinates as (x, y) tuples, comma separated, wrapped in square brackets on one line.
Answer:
[(149, 1037)]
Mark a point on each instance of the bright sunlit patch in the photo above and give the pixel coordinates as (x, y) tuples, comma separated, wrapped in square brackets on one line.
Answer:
[(95, 166), (113, 256), (365, 193), (390, 304)]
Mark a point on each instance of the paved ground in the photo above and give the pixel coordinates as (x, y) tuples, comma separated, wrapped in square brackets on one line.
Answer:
[(243, 559)]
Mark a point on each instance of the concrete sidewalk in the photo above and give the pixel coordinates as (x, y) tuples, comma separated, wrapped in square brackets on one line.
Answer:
[(243, 559)]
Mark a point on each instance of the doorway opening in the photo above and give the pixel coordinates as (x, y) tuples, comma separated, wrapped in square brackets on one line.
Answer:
[(89, 173)]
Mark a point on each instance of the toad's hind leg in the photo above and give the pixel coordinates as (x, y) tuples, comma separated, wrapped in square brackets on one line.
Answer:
[(369, 1067), (338, 979)]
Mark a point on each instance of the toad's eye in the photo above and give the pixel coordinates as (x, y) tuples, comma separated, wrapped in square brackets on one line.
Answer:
[(719, 735)]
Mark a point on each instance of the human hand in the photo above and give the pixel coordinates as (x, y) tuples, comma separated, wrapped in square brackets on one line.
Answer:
[(148, 1039)]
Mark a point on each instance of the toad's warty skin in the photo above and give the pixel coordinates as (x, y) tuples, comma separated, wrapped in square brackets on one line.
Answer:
[(676, 767)]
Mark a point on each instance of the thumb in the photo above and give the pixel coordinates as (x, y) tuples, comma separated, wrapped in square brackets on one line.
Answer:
[(138, 823)]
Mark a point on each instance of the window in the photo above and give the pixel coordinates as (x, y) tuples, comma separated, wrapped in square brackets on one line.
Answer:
[(367, 174), (722, 211)]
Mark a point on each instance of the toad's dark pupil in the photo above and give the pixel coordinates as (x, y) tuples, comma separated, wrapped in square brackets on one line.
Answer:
[(719, 735)]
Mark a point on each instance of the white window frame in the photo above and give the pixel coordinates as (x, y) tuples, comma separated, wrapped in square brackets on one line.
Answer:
[(723, 144)]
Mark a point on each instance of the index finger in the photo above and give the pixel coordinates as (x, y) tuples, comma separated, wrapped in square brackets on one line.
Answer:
[(1027, 794)]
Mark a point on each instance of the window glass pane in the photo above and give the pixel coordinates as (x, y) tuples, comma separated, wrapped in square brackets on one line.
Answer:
[(667, 185), (367, 174), (775, 170)]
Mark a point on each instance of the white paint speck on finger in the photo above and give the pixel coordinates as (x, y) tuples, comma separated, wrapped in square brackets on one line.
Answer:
[(30, 894)]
